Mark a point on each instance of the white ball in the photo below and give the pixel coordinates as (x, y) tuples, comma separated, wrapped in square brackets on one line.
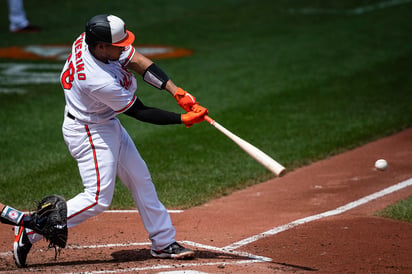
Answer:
[(381, 164)]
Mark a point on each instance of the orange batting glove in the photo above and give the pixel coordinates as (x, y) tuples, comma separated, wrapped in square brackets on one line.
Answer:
[(184, 99), (197, 115)]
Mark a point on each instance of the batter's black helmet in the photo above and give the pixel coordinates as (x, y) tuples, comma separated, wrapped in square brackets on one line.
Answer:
[(109, 29)]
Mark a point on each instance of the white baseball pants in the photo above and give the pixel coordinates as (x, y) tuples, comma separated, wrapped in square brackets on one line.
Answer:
[(103, 151)]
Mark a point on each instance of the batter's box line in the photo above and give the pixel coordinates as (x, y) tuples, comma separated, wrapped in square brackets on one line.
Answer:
[(74, 246), (228, 251), (194, 244), (160, 266), (251, 258)]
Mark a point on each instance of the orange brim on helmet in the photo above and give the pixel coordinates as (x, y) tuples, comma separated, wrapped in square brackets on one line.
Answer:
[(126, 41)]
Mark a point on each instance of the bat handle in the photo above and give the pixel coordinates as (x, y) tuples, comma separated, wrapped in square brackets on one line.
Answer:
[(209, 120)]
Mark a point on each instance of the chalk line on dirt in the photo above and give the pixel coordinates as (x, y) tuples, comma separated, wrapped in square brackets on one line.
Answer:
[(136, 211), (329, 213), (172, 266)]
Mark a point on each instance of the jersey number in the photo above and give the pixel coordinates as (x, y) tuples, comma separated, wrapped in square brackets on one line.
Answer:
[(68, 77)]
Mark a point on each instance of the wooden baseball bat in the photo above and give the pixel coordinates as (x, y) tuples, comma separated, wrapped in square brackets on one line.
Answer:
[(250, 149)]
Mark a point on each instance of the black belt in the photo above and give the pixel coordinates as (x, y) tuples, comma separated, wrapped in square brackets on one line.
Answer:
[(70, 116)]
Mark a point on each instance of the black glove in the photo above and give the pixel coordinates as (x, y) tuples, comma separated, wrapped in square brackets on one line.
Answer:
[(50, 220)]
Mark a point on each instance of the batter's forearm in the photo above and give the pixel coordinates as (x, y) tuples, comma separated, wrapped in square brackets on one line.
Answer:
[(158, 117), (171, 87), (152, 115)]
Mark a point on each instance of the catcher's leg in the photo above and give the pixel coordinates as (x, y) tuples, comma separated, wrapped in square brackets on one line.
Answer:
[(21, 246)]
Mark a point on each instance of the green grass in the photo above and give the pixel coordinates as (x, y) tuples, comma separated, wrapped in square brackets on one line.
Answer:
[(300, 87), (400, 211)]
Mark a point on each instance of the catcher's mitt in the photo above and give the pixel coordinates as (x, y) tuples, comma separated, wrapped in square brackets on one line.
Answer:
[(50, 220)]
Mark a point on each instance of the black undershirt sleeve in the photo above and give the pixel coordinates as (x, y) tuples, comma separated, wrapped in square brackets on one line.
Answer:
[(152, 115)]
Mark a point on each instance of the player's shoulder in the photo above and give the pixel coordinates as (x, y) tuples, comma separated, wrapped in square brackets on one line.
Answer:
[(127, 55)]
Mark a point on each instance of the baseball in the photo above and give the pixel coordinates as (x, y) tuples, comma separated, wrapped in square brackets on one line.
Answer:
[(381, 164)]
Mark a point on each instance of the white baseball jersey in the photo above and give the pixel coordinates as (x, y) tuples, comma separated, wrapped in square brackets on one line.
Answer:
[(96, 91)]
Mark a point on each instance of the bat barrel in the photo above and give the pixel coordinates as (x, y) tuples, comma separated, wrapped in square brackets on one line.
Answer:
[(253, 151)]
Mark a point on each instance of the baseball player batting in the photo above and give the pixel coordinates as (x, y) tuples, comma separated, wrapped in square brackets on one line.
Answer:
[(98, 85)]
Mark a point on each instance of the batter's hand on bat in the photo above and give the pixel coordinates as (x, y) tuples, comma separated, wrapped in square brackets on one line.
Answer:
[(196, 115), (184, 99)]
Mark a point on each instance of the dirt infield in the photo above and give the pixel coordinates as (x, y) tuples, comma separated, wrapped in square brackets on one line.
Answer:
[(318, 218)]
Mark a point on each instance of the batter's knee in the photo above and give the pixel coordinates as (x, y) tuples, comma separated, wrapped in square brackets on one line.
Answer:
[(100, 207), (86, 203)]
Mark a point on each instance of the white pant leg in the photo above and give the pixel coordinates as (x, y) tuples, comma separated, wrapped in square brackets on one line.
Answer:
[(17, 15), (133, 172), (95, 148)]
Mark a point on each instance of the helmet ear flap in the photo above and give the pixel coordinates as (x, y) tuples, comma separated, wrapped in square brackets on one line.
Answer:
[(98, 30), (91, 39)]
